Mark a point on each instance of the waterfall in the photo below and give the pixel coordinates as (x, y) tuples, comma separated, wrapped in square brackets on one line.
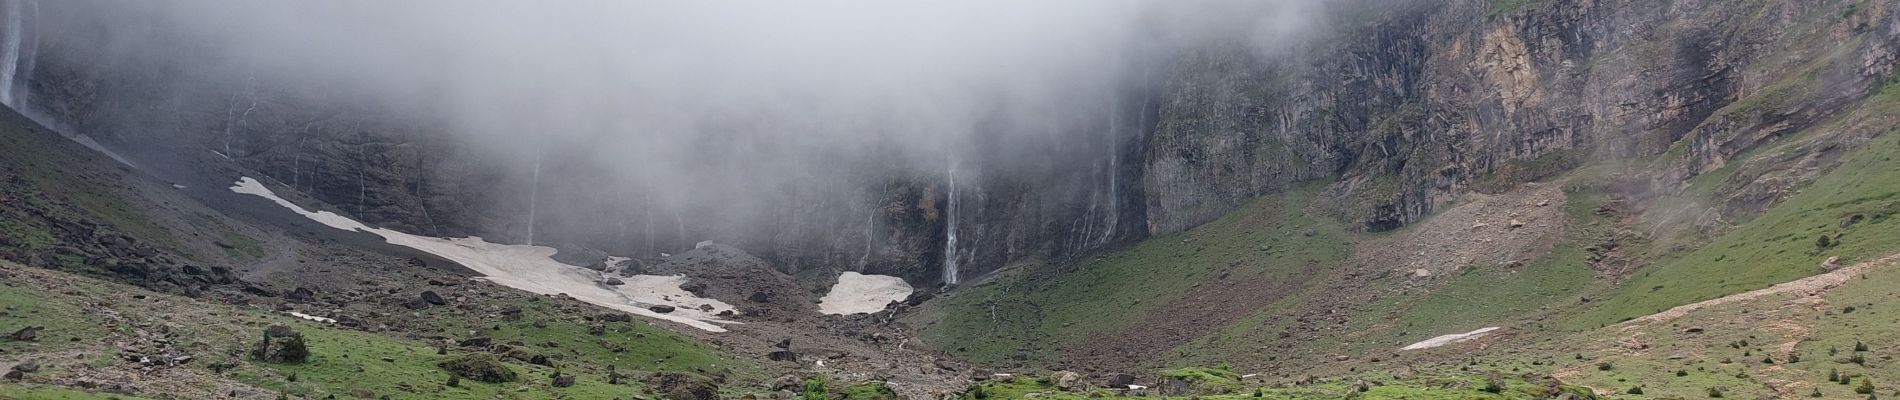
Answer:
[(534, 193), (1114, 172), (950, 231), (870, 228), (16, 55)]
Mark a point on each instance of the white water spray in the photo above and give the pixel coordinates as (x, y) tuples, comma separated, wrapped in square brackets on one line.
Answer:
[(1114, 173), (534, 194), (950, 231), (15, 54)]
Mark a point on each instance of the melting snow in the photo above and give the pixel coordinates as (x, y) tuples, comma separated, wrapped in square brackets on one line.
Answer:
[(312, 317), (857, 293), (529, 268), (1449, 339)]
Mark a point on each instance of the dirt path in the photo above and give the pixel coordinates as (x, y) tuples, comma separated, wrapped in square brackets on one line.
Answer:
[(1808, 286)]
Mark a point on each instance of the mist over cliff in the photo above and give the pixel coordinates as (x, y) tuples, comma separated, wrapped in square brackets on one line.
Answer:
[(892, 136)]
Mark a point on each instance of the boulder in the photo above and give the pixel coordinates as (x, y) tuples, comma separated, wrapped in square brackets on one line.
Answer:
[(613, 282), (479, 342), (1118, 380), (481, 367), (1067, 380), (783, 355), (561, 381), (681, 386), (27, 334), (301, 295), (579, 256), (695, 287), (661, 308), (432, 298), (27, 367)]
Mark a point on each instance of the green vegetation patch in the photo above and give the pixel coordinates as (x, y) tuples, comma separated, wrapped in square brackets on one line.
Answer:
[(21, 307), (1275, 237), (1853, 212)]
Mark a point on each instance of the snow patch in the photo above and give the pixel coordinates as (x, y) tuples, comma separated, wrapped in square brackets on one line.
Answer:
[(312, 317), (858, 293), (532, 269), (1449, 339)]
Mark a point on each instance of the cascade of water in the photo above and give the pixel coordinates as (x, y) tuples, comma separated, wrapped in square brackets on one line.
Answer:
[(534, 194), (1114, 172), (15, 53), (950, 231), (870, 229)]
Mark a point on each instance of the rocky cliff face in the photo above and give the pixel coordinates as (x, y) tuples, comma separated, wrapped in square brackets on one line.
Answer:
[(1397, 109), (1413, 106)]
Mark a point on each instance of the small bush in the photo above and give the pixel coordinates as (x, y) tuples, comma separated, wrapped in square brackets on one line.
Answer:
[(281, 345), (1866, 386), (1605, 366), (1636, 390), (815, 389), (1682, 372), (1715, 393), (1859, 346)]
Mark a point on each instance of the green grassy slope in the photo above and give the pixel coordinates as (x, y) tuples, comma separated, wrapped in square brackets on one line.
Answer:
[(90, 317), (997, 321), (1857, 206)]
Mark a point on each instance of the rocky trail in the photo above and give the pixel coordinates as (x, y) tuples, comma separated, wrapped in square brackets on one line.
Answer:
[(1804, 287)]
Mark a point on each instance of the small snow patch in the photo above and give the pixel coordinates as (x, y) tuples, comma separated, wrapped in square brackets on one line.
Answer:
[(857, 293), (1449, 339), (312, 317)]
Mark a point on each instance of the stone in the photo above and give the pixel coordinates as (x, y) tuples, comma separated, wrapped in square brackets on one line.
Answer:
[(579, 256), (782, 355), (613, 282), (475, 342), (27, 334), (415, 303), (681, 386), (661, 308), (1067, 380), (481, 367), (432, 298), (695, 287)]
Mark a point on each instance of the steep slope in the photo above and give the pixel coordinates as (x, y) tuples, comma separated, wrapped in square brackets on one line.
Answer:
[(1465, 217)]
